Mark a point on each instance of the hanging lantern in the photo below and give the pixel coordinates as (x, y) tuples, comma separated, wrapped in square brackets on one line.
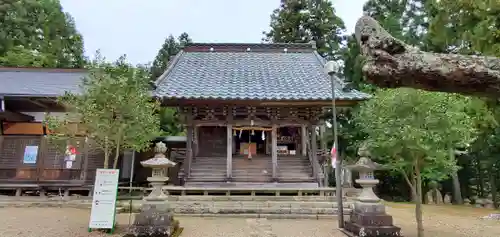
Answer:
[(253, 132), (234, 132), (263, 136)]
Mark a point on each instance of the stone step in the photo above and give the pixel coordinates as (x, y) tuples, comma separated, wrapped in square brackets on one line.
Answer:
[(234, 198), (249, 207)]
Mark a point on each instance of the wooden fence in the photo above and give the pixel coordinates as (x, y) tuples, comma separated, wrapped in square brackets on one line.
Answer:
[(31, 160)]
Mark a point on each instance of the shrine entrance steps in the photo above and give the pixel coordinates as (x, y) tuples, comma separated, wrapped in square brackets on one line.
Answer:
[(248, 202), (291, 169)]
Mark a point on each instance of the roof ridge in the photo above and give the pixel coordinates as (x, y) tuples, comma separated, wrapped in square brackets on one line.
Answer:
[(250, 47), (41, 69)]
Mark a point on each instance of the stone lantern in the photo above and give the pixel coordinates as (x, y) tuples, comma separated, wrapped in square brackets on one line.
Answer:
[(368, 217), (159, 164), (155, 218)]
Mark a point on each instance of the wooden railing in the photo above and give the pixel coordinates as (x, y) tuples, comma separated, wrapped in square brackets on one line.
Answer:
[(252, 191), (313, 159)]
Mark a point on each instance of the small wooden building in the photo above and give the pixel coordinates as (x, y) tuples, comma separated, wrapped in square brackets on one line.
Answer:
[(251, 110), (27, 159)]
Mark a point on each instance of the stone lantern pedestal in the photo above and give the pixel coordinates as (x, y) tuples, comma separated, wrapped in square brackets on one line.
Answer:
[(368, 217), (155, 218)]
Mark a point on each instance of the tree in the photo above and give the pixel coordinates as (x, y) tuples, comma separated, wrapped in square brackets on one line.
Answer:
[(412, 132), (303, 21), (467, 27), (43, 28), (114, 110), (21, 57), (169, 49), (170, 122)]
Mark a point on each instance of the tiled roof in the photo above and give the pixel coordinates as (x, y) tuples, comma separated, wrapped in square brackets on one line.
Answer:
[(250, 72), (38, 82)]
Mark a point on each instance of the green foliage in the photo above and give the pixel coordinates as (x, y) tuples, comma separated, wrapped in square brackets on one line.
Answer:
[(170, 122), (466, 26), (305, 21), (21, 57), (114, 110), (47, 34), (408, 128), (167, 51)]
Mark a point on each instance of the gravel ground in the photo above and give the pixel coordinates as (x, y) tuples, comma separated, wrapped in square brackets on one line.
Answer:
[(446, 221), (438, 221), (50, 222)]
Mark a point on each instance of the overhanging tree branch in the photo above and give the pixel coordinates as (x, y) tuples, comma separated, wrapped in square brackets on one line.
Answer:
[(391, 63)]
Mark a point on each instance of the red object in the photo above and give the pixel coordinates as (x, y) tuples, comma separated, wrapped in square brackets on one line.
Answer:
[(72, 150), (333, 152)]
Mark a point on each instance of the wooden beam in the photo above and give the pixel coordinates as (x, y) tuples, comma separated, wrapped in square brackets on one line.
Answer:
[(36, 102), (268, 123), (15, 116)]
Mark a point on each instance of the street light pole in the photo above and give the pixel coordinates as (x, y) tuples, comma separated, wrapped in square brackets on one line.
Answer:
[(331, 68)]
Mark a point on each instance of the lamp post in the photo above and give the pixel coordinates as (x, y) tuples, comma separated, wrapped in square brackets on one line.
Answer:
[(331, 68)]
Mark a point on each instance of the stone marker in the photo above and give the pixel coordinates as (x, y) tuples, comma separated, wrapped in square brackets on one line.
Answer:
[(155, 219), (447, 199), (368, 217), (467, 202)]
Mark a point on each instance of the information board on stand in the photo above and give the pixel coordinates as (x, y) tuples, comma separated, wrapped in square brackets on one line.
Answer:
[(102, 215)]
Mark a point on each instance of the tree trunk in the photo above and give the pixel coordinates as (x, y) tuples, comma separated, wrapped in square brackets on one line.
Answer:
[(457, 192), (117, 155), (106, 154), (391, 63), (418, 202), (493, 186)]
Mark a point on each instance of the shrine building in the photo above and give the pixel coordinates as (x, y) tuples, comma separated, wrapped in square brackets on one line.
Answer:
[(250, 111)]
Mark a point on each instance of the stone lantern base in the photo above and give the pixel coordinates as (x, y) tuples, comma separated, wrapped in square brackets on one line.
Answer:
[(370, 220), (154, 220)]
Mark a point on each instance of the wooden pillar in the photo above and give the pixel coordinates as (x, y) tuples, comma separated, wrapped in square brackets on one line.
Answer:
[(322, 132), (229, 155), (274, 151), (189, 149), (86, 159), (314, 150), (196, 141), (314, 144), (303, 142)]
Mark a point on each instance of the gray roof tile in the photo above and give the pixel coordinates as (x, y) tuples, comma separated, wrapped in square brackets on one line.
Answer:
[(39, 81), (254, 75)]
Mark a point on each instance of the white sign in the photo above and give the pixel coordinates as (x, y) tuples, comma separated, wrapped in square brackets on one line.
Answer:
[(30, 154), (102, 215)]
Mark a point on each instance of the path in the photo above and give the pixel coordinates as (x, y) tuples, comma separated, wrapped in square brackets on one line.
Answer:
[(438, 221)]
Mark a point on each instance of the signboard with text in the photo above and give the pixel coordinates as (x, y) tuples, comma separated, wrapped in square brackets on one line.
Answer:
[(30, 154), (102, 215)]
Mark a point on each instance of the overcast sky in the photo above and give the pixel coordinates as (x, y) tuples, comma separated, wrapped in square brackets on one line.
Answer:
[(138, 28)]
